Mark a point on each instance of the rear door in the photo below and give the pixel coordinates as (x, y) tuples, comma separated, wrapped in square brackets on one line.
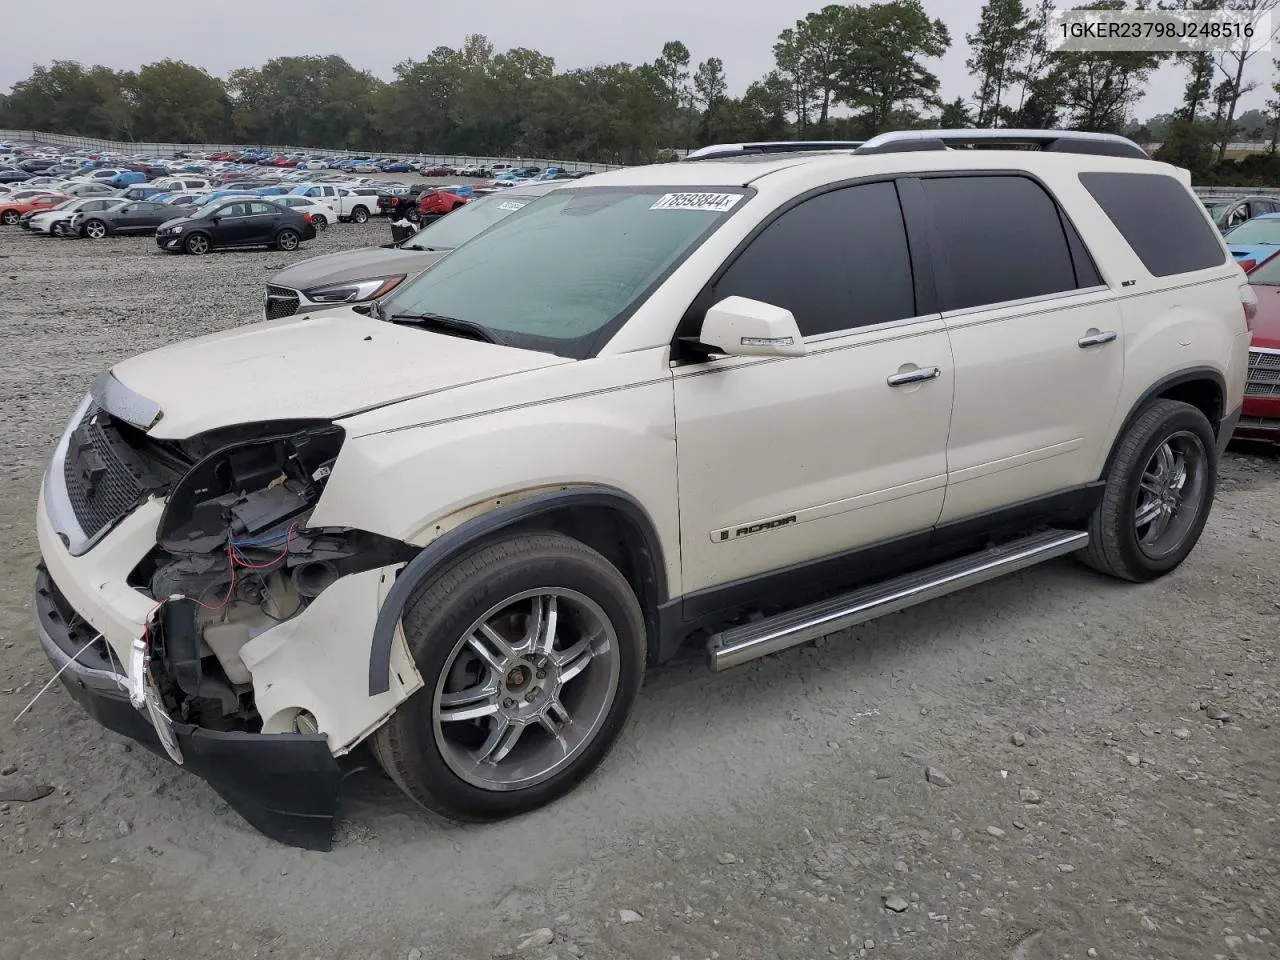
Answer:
[(1036, 335), (265, 219)]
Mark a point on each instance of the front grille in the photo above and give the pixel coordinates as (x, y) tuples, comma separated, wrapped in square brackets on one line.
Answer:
[(1264, 374), (280, 302), (104, 476)]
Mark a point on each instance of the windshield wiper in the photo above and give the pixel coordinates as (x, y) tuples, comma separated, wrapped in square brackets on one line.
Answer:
[(436, 321)]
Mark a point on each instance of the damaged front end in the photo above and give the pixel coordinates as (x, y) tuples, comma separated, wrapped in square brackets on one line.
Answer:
[(235, 558), (248, 606)]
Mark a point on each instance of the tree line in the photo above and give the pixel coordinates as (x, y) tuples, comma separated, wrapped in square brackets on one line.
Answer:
[(841, 72)]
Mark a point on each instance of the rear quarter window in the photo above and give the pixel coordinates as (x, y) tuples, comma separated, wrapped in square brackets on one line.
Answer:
[(1159, 219)]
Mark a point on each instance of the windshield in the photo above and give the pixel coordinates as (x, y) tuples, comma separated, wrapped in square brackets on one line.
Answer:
[(554, 275), (465, 223), (1263, 230), (207, 209), (1268, 273)]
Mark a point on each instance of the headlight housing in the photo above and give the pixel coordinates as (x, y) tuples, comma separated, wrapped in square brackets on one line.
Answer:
[(354, 291)]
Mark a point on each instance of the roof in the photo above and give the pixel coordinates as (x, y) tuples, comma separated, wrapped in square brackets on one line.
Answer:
[(846, 164)]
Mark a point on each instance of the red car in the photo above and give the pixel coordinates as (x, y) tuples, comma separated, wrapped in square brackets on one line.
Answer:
[(1260, 416), (436, 203), (11, 211)]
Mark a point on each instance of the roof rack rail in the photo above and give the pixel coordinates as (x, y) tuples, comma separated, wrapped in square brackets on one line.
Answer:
[(1050, 141), (721, 150)]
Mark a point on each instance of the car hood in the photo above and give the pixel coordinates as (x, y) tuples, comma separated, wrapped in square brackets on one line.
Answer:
[(326, 366), (1251, 251), (1266, 325), (362, 264)]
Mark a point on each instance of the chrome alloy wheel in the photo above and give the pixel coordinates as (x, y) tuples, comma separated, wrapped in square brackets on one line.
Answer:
[(526, 689), (1171, 494)]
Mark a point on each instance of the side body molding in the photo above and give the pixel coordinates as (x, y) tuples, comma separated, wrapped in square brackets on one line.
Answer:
[(461, 539)]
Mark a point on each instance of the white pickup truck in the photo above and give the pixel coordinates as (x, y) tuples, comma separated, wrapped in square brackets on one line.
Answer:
[(356, 204)]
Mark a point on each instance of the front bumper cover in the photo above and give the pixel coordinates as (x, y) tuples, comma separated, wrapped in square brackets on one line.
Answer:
[(284, 785)]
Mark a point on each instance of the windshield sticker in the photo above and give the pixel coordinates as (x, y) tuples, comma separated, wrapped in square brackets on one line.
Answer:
[(509, 205), (715, 202)]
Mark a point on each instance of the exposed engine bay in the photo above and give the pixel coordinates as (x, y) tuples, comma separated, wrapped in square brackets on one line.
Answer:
[(234, 558)]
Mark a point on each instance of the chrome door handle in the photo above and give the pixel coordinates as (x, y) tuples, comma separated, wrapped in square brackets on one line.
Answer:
[(1095, 339), (914, 376)]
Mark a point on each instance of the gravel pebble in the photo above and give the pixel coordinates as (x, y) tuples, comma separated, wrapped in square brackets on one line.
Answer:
[(995, 832), (895, 903), (937, 777), (630, 916)]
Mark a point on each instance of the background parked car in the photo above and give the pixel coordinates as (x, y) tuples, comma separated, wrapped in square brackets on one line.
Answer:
[(1229, 211), (11, 210), (1260, 415), (322, 214), (235, 223), (129, 217), (1254, 240), (56, 221)]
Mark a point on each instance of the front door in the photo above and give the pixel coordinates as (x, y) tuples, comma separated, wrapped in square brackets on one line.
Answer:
[(1037, 338), (783, 461)]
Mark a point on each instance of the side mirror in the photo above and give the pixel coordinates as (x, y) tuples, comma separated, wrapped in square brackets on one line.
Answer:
[(741, 327)]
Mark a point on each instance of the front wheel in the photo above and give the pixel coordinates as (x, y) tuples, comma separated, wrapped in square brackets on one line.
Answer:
[(1158, 495), (532, 653), (359, 215), (287, 240), (197, 243), (10, 217), (95, 229)]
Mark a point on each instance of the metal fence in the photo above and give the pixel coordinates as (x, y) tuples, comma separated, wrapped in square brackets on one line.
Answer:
[(170, 149)]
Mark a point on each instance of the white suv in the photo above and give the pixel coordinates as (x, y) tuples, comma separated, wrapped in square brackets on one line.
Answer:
[(745, 402)]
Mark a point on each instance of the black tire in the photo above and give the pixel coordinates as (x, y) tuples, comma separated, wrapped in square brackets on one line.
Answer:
[(57, 230), (10, 217), (287, 240), (1115, 544), (320, 223), (359, 215), (435, 621), (197, 244)]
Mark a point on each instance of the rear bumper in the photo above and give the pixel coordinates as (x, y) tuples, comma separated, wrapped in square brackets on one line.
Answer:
[(284, 785), (1260, 419)]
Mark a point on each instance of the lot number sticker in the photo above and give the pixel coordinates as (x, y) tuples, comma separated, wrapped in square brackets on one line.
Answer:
[(509, 205), (715, 202)]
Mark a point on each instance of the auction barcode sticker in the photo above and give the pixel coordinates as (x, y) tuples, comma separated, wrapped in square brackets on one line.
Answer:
[(509, 205), (715, 202)]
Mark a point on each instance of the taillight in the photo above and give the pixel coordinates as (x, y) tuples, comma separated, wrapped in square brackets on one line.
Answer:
[(1249, 303), (1247, 265), (307, 217)]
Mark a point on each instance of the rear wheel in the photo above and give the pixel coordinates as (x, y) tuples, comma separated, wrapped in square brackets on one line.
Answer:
[(95, 229), (197, 243), (287, 240), (1158, 495), (532, 653), (321, 223), (359, 215), (10, 217)]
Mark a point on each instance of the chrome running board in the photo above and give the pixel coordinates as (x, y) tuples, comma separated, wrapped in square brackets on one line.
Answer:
[(737, 645)]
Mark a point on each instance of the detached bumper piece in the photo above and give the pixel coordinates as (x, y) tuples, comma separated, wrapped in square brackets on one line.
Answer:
[(284, 785)]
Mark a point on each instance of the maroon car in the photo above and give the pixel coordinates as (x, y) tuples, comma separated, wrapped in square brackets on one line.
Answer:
[(1260, 416)]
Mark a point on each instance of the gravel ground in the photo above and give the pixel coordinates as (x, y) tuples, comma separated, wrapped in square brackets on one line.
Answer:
[(1082, 802)]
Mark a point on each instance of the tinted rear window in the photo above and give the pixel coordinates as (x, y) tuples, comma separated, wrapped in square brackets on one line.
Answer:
[(1159, 219)]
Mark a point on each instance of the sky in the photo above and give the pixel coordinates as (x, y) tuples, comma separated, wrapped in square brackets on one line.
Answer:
[(377, 34)]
